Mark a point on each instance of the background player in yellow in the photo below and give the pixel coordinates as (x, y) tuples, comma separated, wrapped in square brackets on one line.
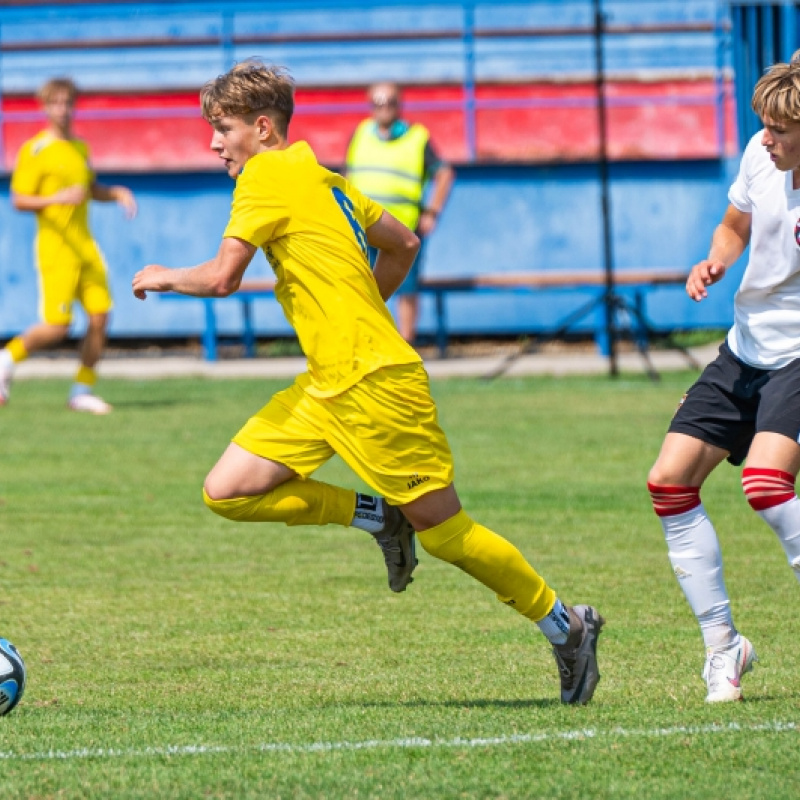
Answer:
[(365, 395), (53, 178)]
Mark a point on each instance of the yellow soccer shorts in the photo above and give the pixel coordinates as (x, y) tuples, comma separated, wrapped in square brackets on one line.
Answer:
[(65, 280), (384, 428)]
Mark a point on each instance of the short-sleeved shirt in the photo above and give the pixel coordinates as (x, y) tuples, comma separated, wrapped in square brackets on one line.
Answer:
[(46, 165), (766, 329), (311, 224)]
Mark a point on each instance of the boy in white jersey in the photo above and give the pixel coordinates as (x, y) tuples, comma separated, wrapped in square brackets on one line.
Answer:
[(746, 404), (365, 395)]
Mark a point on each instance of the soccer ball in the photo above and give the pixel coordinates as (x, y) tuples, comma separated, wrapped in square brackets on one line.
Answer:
[(12, 677)]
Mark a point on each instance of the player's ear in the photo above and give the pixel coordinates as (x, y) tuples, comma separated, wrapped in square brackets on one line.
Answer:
[(264, 127)]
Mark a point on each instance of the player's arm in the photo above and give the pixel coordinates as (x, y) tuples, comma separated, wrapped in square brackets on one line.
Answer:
[(441, 184), (729, 241), (217, 277), (121, 195), (71, 196), (397, 248)]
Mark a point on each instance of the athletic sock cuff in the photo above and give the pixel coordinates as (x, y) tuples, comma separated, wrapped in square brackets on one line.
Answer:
[(765, 488), (17, 350), (669, 501)]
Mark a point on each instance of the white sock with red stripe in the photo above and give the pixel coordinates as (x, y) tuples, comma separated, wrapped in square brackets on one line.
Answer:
[(696, 560), (771, 494)]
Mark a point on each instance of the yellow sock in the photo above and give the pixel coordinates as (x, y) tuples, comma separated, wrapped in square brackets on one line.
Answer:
[(86, 376), (492, 560), (296, 502), (17, 350)]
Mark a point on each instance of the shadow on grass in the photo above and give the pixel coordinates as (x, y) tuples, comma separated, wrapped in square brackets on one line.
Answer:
[(154, 403), (537, 703)]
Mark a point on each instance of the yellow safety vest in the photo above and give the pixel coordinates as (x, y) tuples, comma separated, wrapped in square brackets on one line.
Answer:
[(391, 172)]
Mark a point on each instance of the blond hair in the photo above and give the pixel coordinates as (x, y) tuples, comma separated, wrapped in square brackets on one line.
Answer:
[(55, 85), (777, 93), (250, 88)]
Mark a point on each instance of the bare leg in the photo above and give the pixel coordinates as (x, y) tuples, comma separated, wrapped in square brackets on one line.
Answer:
[(43, 335), (95, 340), (774, 451), (240, 473), (432, 509), (248, 488), (685, 461), (407, 314)]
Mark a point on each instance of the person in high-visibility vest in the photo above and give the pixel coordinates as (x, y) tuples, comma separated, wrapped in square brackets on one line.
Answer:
[(393, 162)]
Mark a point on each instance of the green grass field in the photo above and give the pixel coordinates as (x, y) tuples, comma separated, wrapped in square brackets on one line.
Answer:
[(173, 654)]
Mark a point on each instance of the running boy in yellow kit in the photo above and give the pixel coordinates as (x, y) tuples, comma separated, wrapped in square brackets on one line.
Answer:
[(53, 179), (365, 395)]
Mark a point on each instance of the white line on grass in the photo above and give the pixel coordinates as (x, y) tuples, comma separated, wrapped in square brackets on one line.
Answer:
[(372, 744)]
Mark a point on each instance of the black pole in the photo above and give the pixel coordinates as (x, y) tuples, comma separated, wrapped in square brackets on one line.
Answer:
[(602, 165)]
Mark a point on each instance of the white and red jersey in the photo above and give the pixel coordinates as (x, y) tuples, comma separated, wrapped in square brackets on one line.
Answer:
[(766, 329)]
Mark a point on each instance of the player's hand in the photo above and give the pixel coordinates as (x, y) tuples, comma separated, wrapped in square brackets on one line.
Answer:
[(702, 275), (153, 278), (427, 222), (71, 196), (124, 197)]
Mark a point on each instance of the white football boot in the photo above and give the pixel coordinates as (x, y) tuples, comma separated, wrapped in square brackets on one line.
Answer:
[(724, 668), (5, 385), (89, 404)]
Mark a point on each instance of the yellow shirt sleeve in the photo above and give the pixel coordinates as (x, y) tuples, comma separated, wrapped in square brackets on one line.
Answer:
[(257, 214), (27, 174), (369, 210)]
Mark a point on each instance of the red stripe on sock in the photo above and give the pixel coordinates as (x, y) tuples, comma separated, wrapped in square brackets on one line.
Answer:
[(668, 501), (766, 488)]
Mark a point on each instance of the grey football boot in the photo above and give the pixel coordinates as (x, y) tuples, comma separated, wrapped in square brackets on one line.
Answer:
[(398, 544), (577, 657)]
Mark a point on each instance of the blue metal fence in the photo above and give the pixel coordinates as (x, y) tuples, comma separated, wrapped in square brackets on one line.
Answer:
[(178, 45), (762, 34)]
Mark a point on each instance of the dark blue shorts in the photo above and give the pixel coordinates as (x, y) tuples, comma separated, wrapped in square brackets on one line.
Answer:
[(732, 401)]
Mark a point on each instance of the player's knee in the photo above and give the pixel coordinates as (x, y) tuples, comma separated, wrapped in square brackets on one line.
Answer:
[(216, 505), (223, 506), (765, 488), (661, 476), (98, 319)]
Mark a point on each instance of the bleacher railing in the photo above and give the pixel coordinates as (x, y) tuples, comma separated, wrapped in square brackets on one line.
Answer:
[(487, 77)]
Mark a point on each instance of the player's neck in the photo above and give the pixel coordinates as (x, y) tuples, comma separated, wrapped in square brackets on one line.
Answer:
[(60, 131)]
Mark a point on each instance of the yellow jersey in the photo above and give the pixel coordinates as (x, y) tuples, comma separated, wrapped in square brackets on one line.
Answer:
[(311, 224), (45, 165)]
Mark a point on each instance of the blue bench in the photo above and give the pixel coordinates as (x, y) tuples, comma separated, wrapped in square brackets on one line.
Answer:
[(639, 281)]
